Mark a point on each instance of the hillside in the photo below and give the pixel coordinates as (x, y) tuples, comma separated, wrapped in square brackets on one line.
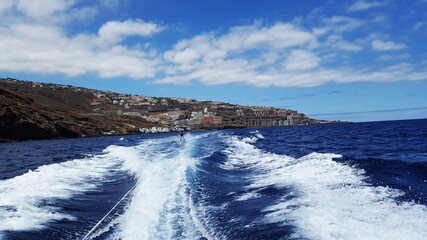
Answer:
[(30, 110), (41, 113)]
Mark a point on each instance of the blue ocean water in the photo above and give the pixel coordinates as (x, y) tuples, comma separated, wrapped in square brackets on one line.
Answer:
[(341, 181)]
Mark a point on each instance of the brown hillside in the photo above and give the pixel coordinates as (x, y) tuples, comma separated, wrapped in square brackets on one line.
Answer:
[(40, 113)]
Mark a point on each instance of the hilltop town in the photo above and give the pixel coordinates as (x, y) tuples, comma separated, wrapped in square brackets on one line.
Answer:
[(191, 114), (135, 113)]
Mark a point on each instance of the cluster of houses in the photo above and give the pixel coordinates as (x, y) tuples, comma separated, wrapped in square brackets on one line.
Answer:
[(185, 113)]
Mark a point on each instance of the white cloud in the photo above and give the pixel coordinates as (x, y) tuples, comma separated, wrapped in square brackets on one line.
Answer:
[(301, 60), (280, 54), (115, 31), (35, 10), (42, 8), (280, 35), (380, 18), (341, 24), (44, 49), (348, 46), (187, 55), (337, 41), (49, 12), (228, 72), (239, 55), (418, 25), (86, 13), (248, 54), (379, 45), (35, 40), (394, 57), (239, 40), (365, 5), (6, 5)]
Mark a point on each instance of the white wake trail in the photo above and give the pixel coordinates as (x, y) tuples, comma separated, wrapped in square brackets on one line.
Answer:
[(27, 202), (328, 199), (160, 204)]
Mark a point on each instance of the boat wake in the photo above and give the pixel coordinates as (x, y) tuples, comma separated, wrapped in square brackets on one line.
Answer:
[(323, 198), (161, 204), (216, 185), (29, 201)]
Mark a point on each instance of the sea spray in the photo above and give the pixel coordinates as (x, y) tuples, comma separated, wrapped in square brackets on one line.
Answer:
[(27, 202), (160, 202), (328, 199)]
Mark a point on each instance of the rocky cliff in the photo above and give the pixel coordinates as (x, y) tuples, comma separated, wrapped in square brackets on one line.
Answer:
[(26, 114)]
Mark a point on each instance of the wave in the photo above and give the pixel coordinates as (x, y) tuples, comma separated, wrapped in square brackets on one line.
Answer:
[(161, 206), (28, 201), (324, 199), (214, 186), (258, 134)]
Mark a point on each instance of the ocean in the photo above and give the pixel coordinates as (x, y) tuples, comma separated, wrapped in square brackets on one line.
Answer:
[(332, 181)]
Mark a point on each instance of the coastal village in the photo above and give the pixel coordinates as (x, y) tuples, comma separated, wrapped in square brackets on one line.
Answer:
[(174, 114)]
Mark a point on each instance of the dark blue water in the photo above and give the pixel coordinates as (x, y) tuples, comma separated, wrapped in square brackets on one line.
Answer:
[(342, 181)]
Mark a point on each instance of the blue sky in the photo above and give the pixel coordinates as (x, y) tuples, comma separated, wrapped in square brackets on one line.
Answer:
[(355, 60)]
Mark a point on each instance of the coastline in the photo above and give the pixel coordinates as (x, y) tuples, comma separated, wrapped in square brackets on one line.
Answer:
[(2, 140), (33, 110)]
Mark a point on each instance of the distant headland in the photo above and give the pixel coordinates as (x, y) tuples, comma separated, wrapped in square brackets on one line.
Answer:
[(33, 110)]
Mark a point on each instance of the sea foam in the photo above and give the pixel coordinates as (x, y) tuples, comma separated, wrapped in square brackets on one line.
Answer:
[(328, 199), (160, 207), (27, 202)]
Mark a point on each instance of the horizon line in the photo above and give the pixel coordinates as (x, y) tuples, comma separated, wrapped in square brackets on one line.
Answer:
[(372, 111)]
